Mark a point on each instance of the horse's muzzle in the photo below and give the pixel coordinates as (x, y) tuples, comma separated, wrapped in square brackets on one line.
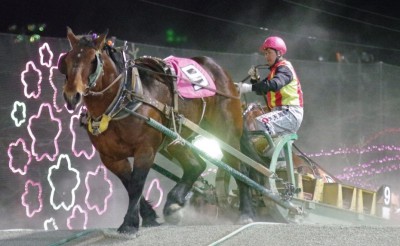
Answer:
[(72, 100)]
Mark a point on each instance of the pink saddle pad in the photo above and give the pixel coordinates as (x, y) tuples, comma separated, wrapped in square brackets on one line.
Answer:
[(188, 70)]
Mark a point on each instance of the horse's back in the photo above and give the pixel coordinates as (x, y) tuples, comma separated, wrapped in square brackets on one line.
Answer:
[(222, 78), (216, 71)]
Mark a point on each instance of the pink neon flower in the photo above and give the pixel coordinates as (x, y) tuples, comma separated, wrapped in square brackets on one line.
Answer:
[(46, 55), (90, 151), (156, 192), (78, 218), (97, 183), (32, 205), (31, 76), (37, 122)]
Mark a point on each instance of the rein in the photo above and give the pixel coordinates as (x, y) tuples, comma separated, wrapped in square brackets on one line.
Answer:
[(192, 82), (130, 95), (88, 92)]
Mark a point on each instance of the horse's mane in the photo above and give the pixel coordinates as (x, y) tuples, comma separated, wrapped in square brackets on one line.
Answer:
[(116, 56), (86, 41)]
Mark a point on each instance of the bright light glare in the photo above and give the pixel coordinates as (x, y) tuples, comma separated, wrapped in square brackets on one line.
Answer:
[(210, 146)]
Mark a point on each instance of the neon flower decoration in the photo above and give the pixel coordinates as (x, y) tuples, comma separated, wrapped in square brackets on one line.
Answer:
[(75, 218), (18, 107), (32, 122), (88, 188), (45, 49), (72, 129), (11, 157), (158, 189), (28, 204), (61, 188), (51, 222), (30, 71), (55, 90)]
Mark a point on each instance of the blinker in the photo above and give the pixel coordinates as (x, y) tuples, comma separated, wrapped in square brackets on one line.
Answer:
[(99, 69)]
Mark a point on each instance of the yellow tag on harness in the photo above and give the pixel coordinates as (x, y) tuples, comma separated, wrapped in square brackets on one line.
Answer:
[(98, 127)]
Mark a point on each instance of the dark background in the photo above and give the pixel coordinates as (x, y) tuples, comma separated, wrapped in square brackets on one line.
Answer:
[(364, 31)]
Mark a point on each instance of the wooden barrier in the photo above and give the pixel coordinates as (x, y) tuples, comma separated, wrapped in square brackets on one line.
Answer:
[(366, 201), (311, 188), (339, 195)]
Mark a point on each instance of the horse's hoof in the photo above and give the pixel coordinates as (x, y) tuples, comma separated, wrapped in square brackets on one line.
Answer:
[(125, 229), (244, 220), (150, 223), (173, 214)]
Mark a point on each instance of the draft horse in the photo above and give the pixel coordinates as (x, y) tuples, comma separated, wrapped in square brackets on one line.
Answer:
[(95, 76)]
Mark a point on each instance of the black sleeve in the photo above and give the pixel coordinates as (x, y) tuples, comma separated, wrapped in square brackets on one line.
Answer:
[(282, 77), (254, 81)]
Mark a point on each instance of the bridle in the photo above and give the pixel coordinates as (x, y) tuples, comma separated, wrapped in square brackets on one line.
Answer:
[(96, 74), (99, 70)]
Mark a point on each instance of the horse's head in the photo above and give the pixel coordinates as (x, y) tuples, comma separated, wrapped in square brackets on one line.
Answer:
[(82, 66)]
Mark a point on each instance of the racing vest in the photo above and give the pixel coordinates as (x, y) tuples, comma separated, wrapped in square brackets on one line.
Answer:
[(290, 94)]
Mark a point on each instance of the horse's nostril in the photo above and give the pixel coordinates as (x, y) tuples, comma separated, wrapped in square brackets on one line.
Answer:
[(72, 100)]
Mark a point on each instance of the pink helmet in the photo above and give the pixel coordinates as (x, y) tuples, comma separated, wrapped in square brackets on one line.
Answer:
[(275, 43)]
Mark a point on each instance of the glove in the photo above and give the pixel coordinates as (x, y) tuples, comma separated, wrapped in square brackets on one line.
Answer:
[(243, 87), (253, 72)]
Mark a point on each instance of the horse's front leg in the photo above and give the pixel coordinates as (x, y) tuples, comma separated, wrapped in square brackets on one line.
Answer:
[(133, 180), (135, 189), (192, 166)]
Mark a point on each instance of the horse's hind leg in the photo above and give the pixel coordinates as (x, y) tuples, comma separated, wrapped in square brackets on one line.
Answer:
[(192, 166), (231, 133), (149, 216), (245, 201)]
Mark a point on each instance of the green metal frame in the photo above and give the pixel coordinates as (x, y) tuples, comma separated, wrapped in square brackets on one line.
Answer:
[(238, 175), (296, 210), (277, 146)]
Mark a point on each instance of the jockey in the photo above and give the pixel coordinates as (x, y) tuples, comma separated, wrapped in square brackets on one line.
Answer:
[(282, 89)]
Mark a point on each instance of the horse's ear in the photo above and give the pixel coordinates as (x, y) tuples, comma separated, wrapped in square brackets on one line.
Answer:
[(73, 40), (101, 40)]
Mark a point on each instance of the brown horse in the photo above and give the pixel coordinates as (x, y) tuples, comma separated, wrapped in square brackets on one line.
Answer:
[(96, 75)]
